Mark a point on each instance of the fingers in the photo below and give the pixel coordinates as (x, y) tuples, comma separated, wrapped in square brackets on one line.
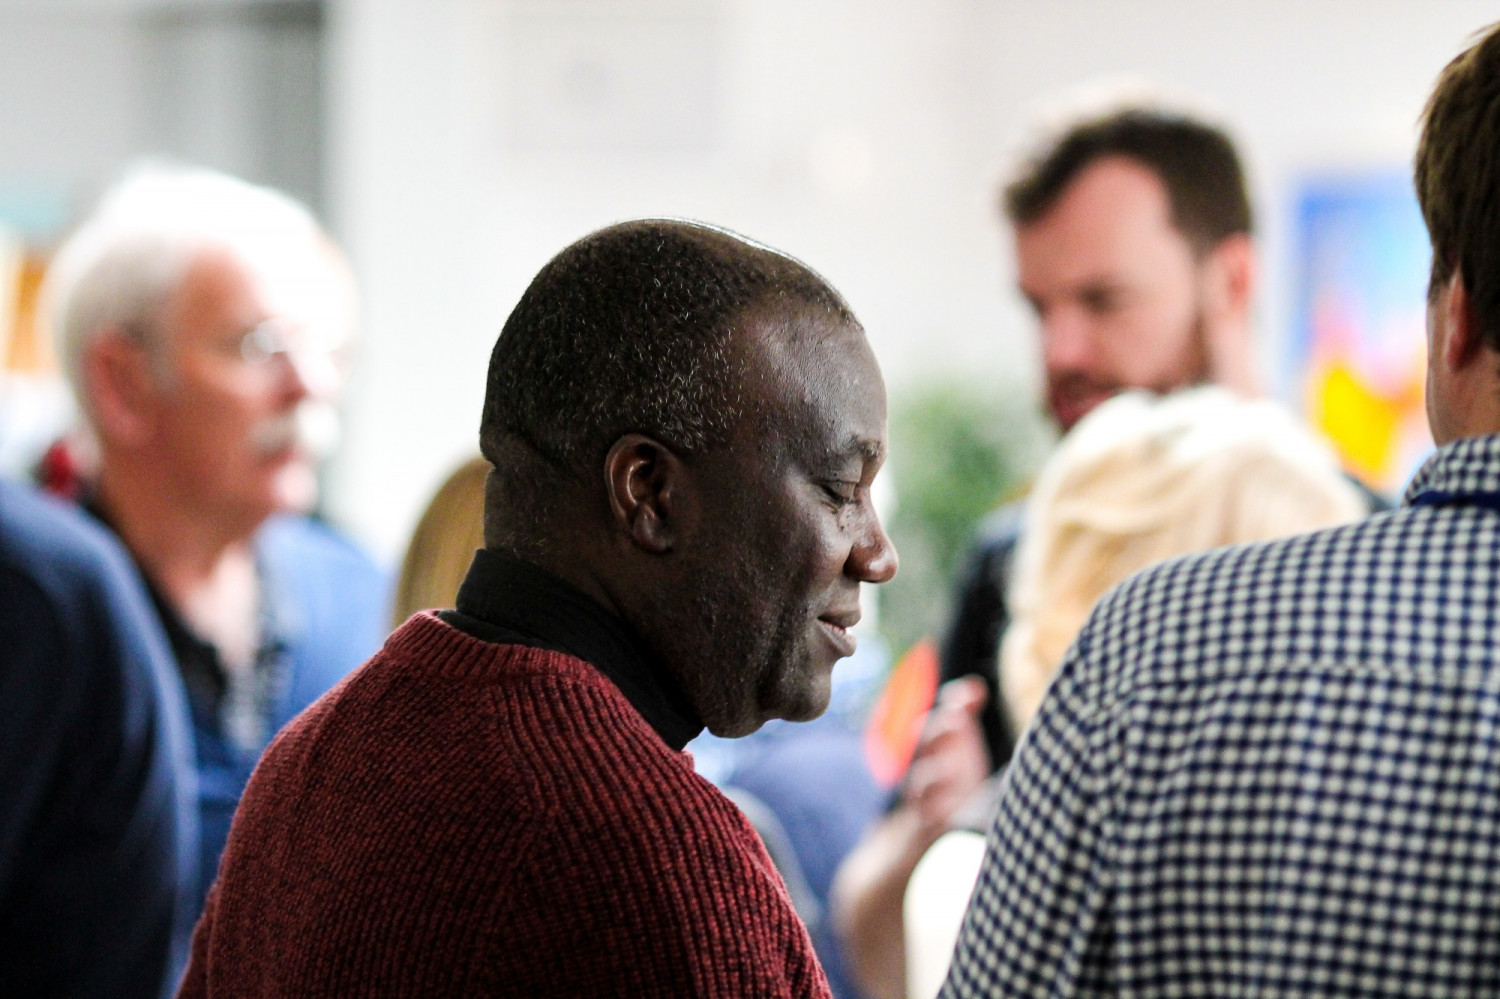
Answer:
[(954, 716), (967, 694), (951, 760)]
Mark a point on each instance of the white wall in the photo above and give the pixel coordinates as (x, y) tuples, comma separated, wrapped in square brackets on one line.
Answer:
[(472, 139), (89, 85)]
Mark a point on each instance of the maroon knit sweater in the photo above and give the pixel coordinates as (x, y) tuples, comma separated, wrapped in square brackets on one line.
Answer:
[(464, 818)]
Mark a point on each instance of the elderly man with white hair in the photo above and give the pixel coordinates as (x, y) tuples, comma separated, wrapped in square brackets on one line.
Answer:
[(202, 322)]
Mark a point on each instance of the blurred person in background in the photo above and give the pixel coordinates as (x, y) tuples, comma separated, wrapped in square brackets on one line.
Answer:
[(1139, 480), (1133, 247), (202, 323), (1146, 479), (1272, 768), (1132, 234), (98, 822)]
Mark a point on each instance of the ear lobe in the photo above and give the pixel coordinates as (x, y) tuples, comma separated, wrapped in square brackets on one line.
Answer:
[(120, 388), (648, 487)]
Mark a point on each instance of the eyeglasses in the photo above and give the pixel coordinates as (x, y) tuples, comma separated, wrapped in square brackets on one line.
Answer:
[(256, 348), (273, 338), (264, 342)]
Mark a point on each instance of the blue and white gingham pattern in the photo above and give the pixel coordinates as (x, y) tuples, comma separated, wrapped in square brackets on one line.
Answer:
[(1272, 770)]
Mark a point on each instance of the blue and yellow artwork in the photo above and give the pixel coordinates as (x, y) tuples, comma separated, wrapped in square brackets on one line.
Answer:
[(1356, 357)]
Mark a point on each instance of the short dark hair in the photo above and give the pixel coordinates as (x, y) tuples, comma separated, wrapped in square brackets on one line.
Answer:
[(1196, 163), (1458, 178), (630, 330)]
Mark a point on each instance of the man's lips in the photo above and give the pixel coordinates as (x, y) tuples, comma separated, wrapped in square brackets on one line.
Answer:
[(839, 629)]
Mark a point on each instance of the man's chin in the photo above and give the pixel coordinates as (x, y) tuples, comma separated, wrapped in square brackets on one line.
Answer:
[(810, 698), (790, 702), (296, 488)]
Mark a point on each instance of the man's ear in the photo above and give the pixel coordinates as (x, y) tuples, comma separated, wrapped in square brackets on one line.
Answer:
[(1229, 273), (120, 387), (649, 492), (1460, 329)]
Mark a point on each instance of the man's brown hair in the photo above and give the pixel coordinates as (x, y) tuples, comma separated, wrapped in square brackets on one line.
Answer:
[(1458, 178), (1195, 162)]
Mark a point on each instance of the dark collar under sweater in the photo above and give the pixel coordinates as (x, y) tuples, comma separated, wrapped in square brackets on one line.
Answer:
[(512, 602)]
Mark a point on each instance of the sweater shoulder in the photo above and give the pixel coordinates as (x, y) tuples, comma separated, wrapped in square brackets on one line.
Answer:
[(531, 809)]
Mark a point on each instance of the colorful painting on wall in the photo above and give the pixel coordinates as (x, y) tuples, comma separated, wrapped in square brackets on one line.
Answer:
[(1356, 357)]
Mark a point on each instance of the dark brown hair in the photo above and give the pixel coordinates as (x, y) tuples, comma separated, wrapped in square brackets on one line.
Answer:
[(1196, 163), (1458, 178)]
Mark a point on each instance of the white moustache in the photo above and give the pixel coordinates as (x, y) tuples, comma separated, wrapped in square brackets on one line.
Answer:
[(312, 428)]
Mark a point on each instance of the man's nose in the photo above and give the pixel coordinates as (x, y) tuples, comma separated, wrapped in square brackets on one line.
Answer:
[(1067, 341), (873, 558), (311, 373)]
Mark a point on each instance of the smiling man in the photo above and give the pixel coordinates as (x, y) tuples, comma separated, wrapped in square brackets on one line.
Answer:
[(685, 427)]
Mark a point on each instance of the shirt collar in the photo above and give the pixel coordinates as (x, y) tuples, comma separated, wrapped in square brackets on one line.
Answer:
[(1462, 470), (508, 600), (206, 681)]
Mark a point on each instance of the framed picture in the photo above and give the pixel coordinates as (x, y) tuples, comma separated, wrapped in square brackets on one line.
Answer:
[(1356, 357)]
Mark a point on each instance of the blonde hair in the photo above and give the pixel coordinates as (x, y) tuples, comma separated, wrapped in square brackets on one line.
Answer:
[(1142, 479), (443, 544)]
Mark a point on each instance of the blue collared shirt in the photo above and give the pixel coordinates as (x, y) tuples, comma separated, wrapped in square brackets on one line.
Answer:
[(324, 607), (1273, 769)]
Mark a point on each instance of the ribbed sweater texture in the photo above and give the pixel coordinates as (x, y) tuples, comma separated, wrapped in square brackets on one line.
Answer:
[(464, 818)]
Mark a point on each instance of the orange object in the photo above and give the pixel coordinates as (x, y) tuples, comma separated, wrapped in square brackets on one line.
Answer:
[(28, 349), (896, 720)]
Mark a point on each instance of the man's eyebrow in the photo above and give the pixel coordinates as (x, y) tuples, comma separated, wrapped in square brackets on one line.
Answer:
[(863, 447), (854, 448)]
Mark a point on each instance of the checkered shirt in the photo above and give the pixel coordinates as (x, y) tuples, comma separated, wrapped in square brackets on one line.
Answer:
[(1270, 770)]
